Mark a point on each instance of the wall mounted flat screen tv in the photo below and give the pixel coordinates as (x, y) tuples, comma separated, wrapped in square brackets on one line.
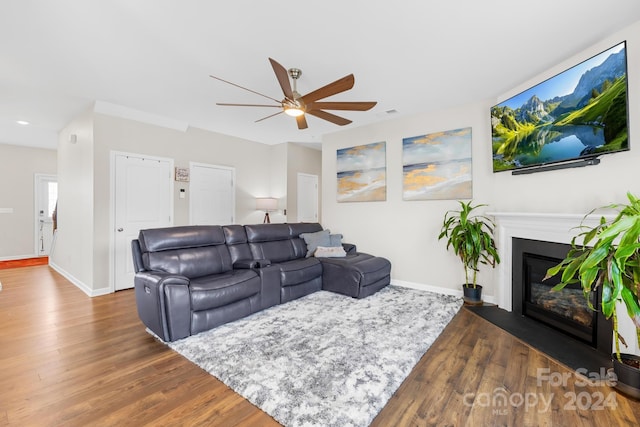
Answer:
[(580, 113)]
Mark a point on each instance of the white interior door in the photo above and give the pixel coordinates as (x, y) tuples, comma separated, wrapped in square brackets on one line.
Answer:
[(212, 199), (143, 189), (46, 196), (307, 198)]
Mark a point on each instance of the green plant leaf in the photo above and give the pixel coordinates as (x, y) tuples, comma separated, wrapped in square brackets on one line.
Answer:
[(560, 286), (616, 227), (571, 269), (633, 308), (608, 303), (614, 279), (587, 279), (597, 254)]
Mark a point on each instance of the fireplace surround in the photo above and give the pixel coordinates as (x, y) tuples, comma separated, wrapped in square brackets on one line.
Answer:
[(567, 310), (550, 227)]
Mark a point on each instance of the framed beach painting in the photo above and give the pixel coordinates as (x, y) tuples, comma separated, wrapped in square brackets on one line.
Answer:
[(437, 166), (362, 173)]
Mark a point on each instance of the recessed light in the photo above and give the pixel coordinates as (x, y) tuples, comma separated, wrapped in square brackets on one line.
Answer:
[(22, 122)]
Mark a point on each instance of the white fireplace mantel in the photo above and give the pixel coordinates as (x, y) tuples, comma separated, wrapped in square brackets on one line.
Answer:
[(550, 227)]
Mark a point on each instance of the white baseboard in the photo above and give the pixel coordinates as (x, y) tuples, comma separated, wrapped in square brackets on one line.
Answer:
[(13, 258), (437, 289), (79, 283)]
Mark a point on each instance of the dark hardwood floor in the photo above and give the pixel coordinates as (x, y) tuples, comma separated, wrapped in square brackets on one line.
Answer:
[(67, 359)]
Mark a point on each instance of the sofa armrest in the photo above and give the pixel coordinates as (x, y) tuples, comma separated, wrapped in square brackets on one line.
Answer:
[(270, 286), (244, 264), (164, 303), (251, 263), (262, 263), (157, 278), (349, 248)]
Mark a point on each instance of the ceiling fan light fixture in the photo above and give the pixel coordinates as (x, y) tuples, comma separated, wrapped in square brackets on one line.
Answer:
[(293, 108), (293, 111)]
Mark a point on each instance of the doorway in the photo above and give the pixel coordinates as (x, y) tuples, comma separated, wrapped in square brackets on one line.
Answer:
[(212, 198), (307, 198), (46, 197), (142, 198)]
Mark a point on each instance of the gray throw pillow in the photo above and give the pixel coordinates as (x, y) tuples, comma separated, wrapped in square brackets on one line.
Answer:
[(335, 240), (313, 240)]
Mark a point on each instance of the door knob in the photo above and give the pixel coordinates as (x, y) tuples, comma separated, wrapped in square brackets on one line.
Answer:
[(120, 230)]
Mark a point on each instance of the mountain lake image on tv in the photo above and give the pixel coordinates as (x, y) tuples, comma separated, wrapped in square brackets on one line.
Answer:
[(580, 113)]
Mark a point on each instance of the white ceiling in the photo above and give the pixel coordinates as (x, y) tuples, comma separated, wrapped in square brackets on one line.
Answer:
[(154, 57)]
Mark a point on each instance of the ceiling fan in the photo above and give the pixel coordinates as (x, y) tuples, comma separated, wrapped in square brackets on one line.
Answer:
[(297, 106)]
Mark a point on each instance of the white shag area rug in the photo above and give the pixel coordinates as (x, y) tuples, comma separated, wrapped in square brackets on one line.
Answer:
[(324, 359)]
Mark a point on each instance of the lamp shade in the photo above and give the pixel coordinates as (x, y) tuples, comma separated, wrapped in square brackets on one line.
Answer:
[(266, 204)]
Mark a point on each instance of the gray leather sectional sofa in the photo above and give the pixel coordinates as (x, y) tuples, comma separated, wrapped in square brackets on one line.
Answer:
[(193, 278)]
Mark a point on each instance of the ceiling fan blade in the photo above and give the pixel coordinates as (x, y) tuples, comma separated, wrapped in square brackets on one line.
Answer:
[(302, 122), (283, 78), (247, 105), (340, 121), (269, 116), (336, 87), (242, 87), (354, 106)]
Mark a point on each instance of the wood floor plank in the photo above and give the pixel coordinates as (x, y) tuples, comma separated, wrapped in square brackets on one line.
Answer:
[(71, 360), (26, 262)]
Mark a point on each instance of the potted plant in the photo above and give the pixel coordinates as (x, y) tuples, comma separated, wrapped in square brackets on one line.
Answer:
[(609, 258), (471, 237)]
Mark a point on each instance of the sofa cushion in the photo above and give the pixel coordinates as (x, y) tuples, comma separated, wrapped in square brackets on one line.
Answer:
[(190, 251), (162, 239), (296, 229), (222, 289), (276, 251), (299, 271), (236, 239), (191, 262), (267, 232), (271, 242)]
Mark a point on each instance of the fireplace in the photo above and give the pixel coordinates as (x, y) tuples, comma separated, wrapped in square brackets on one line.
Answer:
[(567, 310), (549, 227)]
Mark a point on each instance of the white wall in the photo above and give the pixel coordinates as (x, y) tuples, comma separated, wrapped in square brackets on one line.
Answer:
[(307, 160), (116, 134), (277, 183), (73, 251), (83, 244), (406, 232), (18, 166)]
